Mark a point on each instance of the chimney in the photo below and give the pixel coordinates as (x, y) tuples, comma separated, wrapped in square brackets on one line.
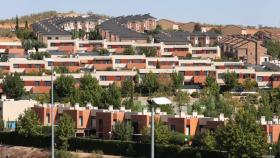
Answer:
[(263, 120), (221, 117), (76, 106), (110, 108), (122, 108), (3, 97), (145, 111), (89, 106), (194, 114), (182, 114), (157, 110)]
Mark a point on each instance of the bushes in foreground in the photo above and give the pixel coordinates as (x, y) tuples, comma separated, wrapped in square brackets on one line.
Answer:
[(110, 147)]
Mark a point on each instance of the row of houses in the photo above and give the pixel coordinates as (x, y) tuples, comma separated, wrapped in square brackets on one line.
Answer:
[(162, 49), (90, 120), (244, 48), (117, 68)]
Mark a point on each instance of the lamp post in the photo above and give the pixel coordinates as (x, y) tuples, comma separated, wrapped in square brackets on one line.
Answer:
[(152, 102), (50, 63)]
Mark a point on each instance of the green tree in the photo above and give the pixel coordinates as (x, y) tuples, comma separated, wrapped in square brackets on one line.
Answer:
[(28, 123), (197, 27), (64, 87), (26, 24), (150, 83), (17, 24), (148, 51), (95, 35), (212, 86), (230, 80), (205, 141), (103, 51), (38, 44), (129, 51), (177, 81), (81, 33), (265, 109), (162, 133), (111, 96), (13, 86), (64, 131), (182, 99), (128, 91), (2, 125), (273, 48), (123, 131), (177, 138), (39, 55), (90, 90), (242, 137), (249, 84), (4, 58), (27, 44)]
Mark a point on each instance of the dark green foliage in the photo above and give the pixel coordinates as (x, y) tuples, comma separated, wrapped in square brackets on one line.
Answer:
[(90, 91), (4, 58), (64, 131), (111, 147), (103, 51), (17, 24), (243, 137), (197, 27), (39, 55), (177, 81), (61, 70), (28, 123), (273, 48), (205, 141), (230, 80), (13, 138), (123, 131), (111, 96), (13, 86), (78, 33), (64, 87), (129, 51), (95, 35), (2, 125), (148, 51), (150, 83)]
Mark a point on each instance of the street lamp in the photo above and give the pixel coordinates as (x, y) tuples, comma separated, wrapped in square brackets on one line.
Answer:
[(152, 102), (50, 63)]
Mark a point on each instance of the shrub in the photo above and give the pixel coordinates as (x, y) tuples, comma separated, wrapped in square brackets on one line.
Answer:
[(195, 94)]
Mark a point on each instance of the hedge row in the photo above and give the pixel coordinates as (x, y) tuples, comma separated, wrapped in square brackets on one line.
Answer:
[(111, 147)]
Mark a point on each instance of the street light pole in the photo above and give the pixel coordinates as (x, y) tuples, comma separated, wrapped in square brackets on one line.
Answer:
[(152, 133), (152, 102), (52, 111)]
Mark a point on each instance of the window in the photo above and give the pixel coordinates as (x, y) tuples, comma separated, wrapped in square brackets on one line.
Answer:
[(118, 78), (49, 63), (49, 38), (188, 130), (53, 44), (270, 138), (173, 127), (37, 83), (103, 78), (259, 78), (56, 38), (16, 65), (117, 61), (221, 76), (81, 120), (128, 78), (150, 63), (196, 73), (29, 65), (48, 119), (48, 83), (37, 65)]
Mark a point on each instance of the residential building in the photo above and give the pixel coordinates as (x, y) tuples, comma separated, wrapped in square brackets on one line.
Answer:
[(168, 24), (11, 109)]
